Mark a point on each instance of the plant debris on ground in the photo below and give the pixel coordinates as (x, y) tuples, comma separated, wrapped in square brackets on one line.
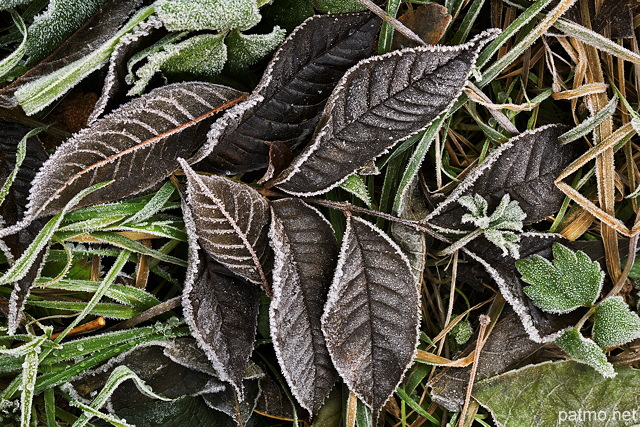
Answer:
[(319, 212)]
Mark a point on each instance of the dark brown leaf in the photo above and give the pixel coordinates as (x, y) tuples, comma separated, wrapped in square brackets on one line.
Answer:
[(525, 167), (287, 103), (377, 103), (305, 252), (231, 222), (372, 316), (222, 312), (136, 146), (280, 157)]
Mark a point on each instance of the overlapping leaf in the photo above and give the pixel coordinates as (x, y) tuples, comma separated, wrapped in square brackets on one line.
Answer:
[(287, 103), (231, 222), (525, 167), (97, 30), (377, 103), (371, 317), (305, 252), (12, 208), (137, 146), (222, 312)]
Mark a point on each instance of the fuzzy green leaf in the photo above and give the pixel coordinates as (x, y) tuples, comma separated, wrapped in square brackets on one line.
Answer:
[(573, 280), (203, 55), (585, 351), (57, 23), (566, 394), (245, 50), (615, 324), (208, 14), (356, 186)]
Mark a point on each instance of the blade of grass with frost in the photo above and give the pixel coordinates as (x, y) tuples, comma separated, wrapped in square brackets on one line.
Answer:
[(386, 33), (550, 18), (591, 123), (88, 410), (21, 153), (22, 265), (468, 21), (510, 31), (589, 37), (87, 226), (413, 166), (10, 61), (134, 297), (36, 95), (117, 377), (155, 205), (158, 228), (133, 246), (29, 376), (107, 310), (100, 348)]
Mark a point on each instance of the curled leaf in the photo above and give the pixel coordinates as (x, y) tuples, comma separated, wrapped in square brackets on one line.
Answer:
[(231, 221), (286, 105), (371, 317), (377, 103), (305, 253), (137, 146), (615, 324)]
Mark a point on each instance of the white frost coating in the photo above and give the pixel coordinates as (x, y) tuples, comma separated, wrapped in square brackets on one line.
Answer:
[(334, 296), (521, 310), (474, 44), (282, 259), (187, 304), (48, 188), (144, 29), (230, 119), (480, 170)]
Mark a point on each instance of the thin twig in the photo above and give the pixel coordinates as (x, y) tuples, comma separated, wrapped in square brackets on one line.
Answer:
[(149, 314)]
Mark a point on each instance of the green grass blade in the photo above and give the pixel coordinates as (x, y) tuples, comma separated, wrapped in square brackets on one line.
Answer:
[(591, 123), (7, 64), (386, 33), (155, 205), (133, 246), (29, 375)]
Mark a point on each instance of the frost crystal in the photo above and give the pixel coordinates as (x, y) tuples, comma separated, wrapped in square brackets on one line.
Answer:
[(246, 50)]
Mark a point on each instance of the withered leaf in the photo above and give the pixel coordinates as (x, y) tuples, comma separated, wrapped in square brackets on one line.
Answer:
[(305, 252), (12, 209), (101, 27), (429, 22), (280, 157), (507, 345), (136, 145), (541, 326), (115, 88), (371, 317), (222, 312), (525, 167), (231, 222), (377, 103), (287, 103)]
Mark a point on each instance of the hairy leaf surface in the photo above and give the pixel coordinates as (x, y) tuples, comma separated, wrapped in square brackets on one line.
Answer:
[(548, 391), (97, 30), (137, 146), (380, 101), (305, 252), (286, 104), (222, 312), (371, 317), (231, 222), (525, 167)]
